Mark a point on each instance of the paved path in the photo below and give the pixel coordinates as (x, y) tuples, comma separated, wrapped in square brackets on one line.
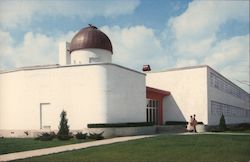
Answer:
[(214, 133), (52, 150)]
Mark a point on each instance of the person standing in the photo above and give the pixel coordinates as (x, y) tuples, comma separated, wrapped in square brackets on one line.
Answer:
[(190, 127), (194, 123)]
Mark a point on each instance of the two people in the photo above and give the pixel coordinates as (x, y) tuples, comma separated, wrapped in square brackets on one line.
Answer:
[(191, 127)]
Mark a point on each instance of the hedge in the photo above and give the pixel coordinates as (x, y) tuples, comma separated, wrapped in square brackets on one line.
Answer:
[(179, 123), (117, 125)]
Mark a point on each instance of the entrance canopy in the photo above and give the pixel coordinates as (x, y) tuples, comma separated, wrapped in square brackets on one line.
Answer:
[(154, 109), (157, 92)]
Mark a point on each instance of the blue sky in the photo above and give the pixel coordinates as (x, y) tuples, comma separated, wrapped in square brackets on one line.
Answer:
[(161, 33)]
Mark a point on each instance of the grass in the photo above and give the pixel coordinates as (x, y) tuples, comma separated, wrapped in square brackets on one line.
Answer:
[(163, 148), (9, 145)]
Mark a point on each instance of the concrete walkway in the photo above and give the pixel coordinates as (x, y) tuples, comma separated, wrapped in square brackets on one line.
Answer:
[(214, 133), (52, 150)]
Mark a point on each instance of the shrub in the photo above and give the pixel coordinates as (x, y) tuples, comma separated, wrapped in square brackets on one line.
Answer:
[(117, 125), (176, 123), (222, 125), (80, 135), (96, 136), (245, 126), (63, 133), (46, 136)]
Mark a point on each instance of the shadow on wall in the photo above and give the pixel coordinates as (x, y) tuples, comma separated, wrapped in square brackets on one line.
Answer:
[(171, 111)]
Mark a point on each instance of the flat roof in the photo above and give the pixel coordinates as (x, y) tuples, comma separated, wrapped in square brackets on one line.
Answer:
[(195, 67), (179, 68), (52, 66)]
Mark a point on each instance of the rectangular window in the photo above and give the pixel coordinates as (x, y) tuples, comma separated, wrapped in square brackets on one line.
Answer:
[(94, 60)]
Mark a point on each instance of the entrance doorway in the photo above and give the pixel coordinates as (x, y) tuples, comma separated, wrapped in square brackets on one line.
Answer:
[(154, 111), (45, 116), (153, 114)]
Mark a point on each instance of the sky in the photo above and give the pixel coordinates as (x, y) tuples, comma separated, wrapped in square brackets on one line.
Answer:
[(162, 33)]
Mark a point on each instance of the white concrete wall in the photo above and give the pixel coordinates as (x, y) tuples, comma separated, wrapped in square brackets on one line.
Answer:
[(126, 95), (78, 90), (188, 89), (84, 56), (64, 55), (96, 93), (223, 97)]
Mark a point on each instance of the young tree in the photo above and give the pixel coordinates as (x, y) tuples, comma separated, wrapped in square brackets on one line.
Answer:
[(222, 124), (63, 133)]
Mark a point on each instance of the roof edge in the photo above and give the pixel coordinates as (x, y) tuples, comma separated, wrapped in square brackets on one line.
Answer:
[(52, 66)]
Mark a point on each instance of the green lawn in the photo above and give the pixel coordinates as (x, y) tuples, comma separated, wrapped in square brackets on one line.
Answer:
[(174, 148), (9, 145)]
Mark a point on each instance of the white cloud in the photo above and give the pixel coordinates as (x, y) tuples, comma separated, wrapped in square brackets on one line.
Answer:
[(229, 52), (195, 30), (35, 49), (15, 12), (135, 46), (186, 62)]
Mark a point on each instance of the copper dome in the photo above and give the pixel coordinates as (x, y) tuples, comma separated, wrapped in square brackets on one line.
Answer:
[(90, 37)]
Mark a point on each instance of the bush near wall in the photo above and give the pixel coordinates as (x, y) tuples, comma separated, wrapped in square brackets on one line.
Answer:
[(179, 123), (96, 136), (117, 125), (81, 135), (46, 136)]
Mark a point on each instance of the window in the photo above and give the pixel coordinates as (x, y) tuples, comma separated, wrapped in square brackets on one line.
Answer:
[(228, 110), (93, 60), (227, 87)]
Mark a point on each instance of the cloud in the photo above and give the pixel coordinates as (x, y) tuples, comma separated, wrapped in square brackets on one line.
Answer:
[(35, 49), (195, 30), (135, 46), (15, 13), (229, 52)]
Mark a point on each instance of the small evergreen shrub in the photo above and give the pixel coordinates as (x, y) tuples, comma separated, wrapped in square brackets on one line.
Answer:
[(96, 136), (222, 125), (80, 135), (63, 133), (46, 136)]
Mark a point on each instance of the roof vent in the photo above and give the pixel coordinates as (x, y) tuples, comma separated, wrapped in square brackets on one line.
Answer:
[(146, 68), (92, 26)]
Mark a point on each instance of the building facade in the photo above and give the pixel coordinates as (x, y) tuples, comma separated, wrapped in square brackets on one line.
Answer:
[(91, 89), (202, 91), (85, 84)]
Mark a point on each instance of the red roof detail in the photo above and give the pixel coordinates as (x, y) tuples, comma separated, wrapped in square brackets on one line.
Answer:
[(162, 92)]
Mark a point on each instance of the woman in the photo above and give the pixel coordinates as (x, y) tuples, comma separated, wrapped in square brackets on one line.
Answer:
[(190, 127)]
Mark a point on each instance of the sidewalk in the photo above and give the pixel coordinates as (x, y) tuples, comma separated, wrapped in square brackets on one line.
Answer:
[(52, 150)]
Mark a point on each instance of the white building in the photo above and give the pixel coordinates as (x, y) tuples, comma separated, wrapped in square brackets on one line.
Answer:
[(202, 91), (91, 89), (85, 84)]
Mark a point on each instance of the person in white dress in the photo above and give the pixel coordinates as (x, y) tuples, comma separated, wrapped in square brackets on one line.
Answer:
[(190, 127)]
